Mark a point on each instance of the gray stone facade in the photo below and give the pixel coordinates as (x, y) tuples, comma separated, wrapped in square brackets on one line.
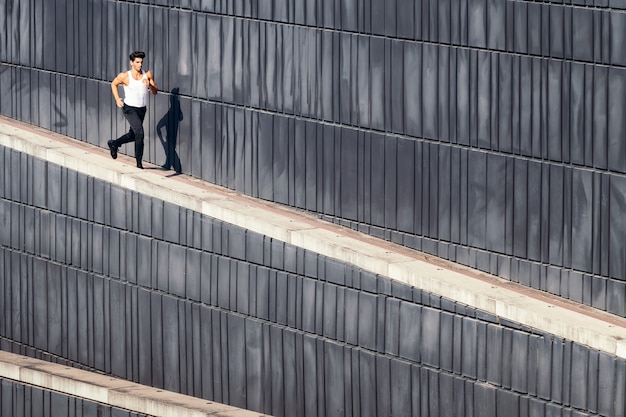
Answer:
[(117, 282), (486, 132)]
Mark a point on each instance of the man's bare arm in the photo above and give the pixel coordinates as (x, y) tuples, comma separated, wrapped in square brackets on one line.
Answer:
[(120, 79), (151, 84)]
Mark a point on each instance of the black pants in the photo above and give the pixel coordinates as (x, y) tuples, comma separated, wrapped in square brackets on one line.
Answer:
[(135, 116)]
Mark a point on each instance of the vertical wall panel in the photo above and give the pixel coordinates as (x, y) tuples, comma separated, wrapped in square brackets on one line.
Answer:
[(616, 126), (413, 89), (601, 111), (430, 84), (617, 258)]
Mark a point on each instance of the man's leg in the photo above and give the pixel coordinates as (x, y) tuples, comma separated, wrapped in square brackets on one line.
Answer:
[(139, 135), (134, 116), (126, 137), (115, 144)]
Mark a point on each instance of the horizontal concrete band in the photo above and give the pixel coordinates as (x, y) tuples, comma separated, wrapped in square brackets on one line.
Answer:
[(114, 392), (573, 321)]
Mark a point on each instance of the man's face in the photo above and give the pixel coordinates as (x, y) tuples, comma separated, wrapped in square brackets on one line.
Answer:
[(136, 64)]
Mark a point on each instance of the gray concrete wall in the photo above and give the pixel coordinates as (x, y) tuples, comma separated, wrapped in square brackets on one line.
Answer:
[(487, 132), (117, 282)]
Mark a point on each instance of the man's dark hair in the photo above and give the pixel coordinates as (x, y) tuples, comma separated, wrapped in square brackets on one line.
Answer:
[(137, 54)]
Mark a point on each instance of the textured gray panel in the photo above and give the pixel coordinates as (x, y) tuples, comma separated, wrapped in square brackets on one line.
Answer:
[(431, 337), (390, 181), (310, 369), (275, 362), (430, 91), (83, 315), (616, 124), (49, 49), (533, 363), (579, 377), (413, 89), (519, 367), (206, 277), (392, 326), (469, 348), (485, 400), (413, 339), (281, 154), (6, 100), (477, 196), (494, 347), (606, 385), (71, 311), (171, 222), (39, 297), (600, 112), (309, 305), (117, 307), (305, 76), (139, 254), (578, 98), (236, 361), (241, 289), (378, 96), (348, 71), (400, 375), (582, 36), (405, 185), (482, 351), (507, 403), (349, 170), (152, 326), (97, 248), (405, 24), (176, 270), (615, 295), (54, 305), (496, 24), (264, 156), (560, 371), (253, 363), (533, 208), (477, 30), (205, 366), (329, 55), (617, 263), (223, 282), (291, 375), (329, 310), (481, 132)]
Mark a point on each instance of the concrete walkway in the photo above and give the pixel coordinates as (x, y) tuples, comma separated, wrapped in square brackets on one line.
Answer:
[(113, 392), (532, 308)]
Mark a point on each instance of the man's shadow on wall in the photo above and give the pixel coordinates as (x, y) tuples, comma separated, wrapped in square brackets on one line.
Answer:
[(171, 121)]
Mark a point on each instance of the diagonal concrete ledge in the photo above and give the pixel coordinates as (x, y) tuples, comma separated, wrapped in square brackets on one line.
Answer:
[(532, 308), (111, 391)]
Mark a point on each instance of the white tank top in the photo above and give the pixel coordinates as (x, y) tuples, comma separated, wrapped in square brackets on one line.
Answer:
[(136, 92)]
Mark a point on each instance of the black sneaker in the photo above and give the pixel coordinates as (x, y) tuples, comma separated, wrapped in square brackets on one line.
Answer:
[(113, 149), (139, 165)]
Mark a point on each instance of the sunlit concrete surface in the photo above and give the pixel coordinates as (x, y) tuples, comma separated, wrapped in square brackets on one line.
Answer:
[(507, 300), (114, 392)]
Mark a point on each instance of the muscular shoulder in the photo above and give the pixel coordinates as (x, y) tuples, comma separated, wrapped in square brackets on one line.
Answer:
[(122, 78)]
